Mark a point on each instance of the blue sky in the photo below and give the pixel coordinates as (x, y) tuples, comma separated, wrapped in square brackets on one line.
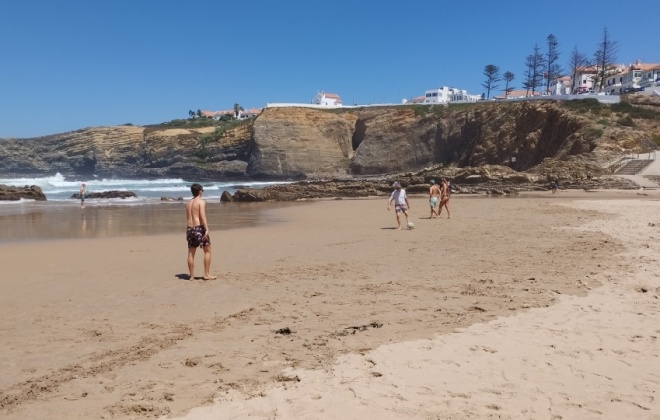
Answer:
[(71, 64)]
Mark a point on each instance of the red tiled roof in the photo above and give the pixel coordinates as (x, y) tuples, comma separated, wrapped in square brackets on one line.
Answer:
[(648, 66)]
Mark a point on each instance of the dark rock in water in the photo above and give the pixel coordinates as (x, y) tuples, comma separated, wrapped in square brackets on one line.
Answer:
[(226, 196), (11, 193), (107, 194), (171, 199)]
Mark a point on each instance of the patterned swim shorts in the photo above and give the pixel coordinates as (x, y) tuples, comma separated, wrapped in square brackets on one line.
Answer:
[(400, 208), (195, 237), (433, 201)]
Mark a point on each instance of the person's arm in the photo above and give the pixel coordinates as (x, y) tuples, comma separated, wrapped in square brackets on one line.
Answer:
[(389, 202), (202, 218)]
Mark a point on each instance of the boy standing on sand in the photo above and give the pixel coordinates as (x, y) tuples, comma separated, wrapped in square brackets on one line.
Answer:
[(401, 204), (197, 233), (434, 197)]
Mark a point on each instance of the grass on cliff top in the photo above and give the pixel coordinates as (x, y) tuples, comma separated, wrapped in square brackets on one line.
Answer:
[(189, 123), (591, 105), (419, 110)]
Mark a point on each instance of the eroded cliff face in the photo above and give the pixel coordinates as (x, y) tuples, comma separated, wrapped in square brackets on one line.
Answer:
[(298, 142), (467, 136), (290, 143), (130, 152)]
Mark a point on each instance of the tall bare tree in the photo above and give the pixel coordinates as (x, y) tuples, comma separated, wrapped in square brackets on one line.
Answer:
[(508, 78), (492, 73), (577, 61), (553, 69), (604, 57), (534, 64)]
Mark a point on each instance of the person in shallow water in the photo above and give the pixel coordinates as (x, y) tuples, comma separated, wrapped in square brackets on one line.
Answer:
[(197, 233), (82, 194)]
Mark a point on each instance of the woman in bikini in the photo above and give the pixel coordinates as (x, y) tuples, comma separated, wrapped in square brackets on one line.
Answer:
[(444, 198)]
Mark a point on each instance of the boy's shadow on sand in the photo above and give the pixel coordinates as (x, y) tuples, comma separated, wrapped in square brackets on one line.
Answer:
[(186, 277)]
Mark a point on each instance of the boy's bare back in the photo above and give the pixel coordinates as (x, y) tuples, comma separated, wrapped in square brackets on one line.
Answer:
[(195, 212)]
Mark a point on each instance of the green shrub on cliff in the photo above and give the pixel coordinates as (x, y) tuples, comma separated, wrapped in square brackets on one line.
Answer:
[(216, 135), (188, 123), (655, 138), (583, 106), (636, 111)]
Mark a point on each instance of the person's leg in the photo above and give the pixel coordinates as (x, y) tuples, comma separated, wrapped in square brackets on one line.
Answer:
[(207, 263), (191, 262), (398, 219), (443, 203), (447, 207), (407, 217)]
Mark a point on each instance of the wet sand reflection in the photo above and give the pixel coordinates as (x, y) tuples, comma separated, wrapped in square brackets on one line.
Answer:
[(34, 221)]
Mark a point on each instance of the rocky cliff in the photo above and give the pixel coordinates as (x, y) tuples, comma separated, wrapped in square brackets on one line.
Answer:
[(295, 143)]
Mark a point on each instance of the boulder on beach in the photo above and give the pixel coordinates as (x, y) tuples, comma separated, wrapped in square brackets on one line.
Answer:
[(12, 193)]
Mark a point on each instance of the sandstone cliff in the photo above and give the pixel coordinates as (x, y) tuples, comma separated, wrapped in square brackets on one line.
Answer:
[(294, 143)]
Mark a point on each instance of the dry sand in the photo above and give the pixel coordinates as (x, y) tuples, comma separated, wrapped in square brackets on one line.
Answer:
[(533, 307)]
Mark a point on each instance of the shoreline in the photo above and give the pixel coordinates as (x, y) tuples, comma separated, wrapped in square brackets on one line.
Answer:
[(35, 221), (107, 329)]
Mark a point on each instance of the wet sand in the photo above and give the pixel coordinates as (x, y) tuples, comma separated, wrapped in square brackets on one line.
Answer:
[(56, 220), (532, 307)]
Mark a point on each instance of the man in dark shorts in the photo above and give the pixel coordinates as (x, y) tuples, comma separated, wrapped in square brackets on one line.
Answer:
[(197, 233)]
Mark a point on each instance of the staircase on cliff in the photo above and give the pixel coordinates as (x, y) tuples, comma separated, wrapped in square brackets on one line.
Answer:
[(634, 166)]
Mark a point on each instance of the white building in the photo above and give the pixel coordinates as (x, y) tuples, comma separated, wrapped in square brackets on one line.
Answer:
[(561, 86), (584, 79), (633, 76), (444, 94), (329, 99), (650, 77)]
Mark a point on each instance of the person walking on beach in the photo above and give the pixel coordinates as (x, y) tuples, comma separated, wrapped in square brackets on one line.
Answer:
[(434, 198), (82, 194), (445, 193), (401, 204), (197, 233)]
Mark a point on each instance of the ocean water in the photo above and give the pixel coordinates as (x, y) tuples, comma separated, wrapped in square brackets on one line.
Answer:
[(61, 217), (58, 188)]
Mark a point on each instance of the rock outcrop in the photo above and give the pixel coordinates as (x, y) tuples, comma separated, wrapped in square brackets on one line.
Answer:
[(487, 179), (305, 143), (299, 142), (11, 193)]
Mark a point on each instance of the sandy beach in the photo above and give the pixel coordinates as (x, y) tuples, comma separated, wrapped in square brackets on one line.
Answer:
[(537, 306)]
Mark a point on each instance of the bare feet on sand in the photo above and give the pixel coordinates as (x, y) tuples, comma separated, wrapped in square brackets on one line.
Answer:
[(209, 277)]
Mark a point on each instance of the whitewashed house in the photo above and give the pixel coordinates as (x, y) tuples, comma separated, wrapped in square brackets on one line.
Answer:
[(415, 100), (624, 78), (328, 99), (650, 77), (584, 79), (444, 94), (561, 86)]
